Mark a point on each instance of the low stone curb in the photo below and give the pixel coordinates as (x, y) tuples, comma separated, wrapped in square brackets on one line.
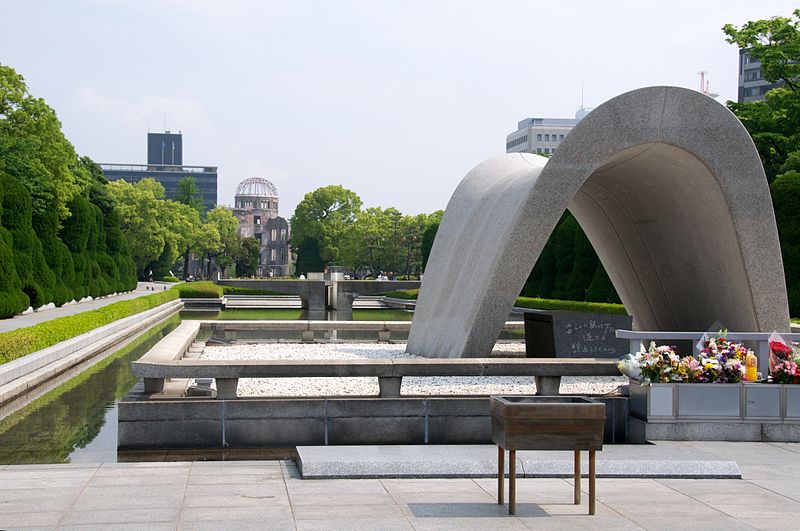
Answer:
[(472, 461), (22, 375)]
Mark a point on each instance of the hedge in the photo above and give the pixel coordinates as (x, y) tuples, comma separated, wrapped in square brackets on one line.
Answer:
[(170, 278), (198, 290), (407, 294), (205, 289), (538, 304), (23, 341), (231, 290), (570, 306), (40, 264)]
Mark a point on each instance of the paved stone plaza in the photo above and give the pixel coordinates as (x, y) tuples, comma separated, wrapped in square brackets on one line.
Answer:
[(271, 495)]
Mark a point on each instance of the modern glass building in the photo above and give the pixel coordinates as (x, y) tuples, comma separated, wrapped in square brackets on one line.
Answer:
[(165, 165)]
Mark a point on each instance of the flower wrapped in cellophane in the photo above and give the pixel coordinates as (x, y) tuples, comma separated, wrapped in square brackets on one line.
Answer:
[(722, 360), (784, 360), (719, 360)]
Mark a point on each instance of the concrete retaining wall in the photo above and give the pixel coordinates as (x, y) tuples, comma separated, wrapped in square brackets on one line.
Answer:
[(271, 422)]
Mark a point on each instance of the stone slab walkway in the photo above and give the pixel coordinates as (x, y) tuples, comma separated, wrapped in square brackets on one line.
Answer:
[(271, 495), (661, 460), (22, 321)]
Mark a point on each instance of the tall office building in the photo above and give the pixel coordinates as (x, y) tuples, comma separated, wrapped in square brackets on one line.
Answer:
[(165, 165), (165, 148), (752, 85), (541, 135)]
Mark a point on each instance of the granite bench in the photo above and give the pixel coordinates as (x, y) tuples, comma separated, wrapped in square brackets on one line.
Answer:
[(390, 373)]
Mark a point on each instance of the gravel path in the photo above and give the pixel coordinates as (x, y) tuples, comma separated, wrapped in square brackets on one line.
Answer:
[(369, 386)]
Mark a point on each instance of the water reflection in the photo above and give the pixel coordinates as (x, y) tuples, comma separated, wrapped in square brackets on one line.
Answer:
[(278, 314), (77, 420)]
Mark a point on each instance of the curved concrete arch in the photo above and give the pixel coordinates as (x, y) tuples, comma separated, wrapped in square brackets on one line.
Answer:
[(670, 191)]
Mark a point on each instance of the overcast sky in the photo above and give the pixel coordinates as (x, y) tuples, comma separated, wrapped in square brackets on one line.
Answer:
[(396, 101)]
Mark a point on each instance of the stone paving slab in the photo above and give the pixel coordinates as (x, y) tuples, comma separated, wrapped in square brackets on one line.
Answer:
[(452, 461), (260, 498)]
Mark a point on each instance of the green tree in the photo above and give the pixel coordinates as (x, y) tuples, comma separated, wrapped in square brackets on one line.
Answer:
[(371, 241), (568, 268), (181, 224), (33, 149), (189, 194), (325, 216), (308, 256), (226, 226), (140, 215), (61, 225), (774, 124), (428, 238), (209, 244), (247, 257), (775, 42), (785, 192)]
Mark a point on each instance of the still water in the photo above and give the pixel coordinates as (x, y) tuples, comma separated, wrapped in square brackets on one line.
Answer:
[(269, 314), (77, 421)]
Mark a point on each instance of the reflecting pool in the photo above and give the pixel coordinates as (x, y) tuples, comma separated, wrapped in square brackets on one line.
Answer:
[(77, 421)]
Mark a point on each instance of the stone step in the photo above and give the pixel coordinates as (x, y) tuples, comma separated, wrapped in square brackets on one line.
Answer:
[(454, 461)]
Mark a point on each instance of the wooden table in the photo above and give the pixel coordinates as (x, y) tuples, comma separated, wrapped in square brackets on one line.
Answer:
[(546, 423)]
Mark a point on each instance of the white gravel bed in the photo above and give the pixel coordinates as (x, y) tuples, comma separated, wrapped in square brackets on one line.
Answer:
[(433, 385)]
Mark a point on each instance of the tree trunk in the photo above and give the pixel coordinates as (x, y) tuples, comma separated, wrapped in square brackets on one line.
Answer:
[(186, 264)]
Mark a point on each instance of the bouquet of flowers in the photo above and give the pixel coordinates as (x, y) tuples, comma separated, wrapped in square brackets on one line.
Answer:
[(654, 365), (783, 361), (779, 350), (719, 360), (786, 372)]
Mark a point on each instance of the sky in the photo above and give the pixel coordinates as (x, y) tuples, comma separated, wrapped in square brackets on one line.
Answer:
[(396, 101)]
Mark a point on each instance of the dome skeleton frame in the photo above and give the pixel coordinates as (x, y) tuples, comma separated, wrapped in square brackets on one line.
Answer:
[(257, 187)]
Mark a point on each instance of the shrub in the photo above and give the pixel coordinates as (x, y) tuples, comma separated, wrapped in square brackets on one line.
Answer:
[(231, 290), (408, 294), (18, 343), (169, 278), (570, 306), (538, 304), (12, 298), (198, 290), (36, 278)]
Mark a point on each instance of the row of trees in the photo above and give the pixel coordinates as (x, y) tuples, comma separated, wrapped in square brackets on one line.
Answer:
[(163, 231), (774, 124), (329, 227), (60, 234)]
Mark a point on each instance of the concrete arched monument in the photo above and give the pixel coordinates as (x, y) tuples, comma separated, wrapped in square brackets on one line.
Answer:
[(670, 190)]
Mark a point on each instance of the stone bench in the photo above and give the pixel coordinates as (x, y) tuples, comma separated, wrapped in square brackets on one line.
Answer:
[(390, 373), (170, 348), (384, 328)]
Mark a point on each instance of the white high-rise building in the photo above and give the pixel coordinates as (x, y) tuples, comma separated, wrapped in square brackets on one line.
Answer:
[(541, 135)]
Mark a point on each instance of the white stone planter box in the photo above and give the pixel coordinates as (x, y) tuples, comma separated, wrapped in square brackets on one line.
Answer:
[(743, 402)]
